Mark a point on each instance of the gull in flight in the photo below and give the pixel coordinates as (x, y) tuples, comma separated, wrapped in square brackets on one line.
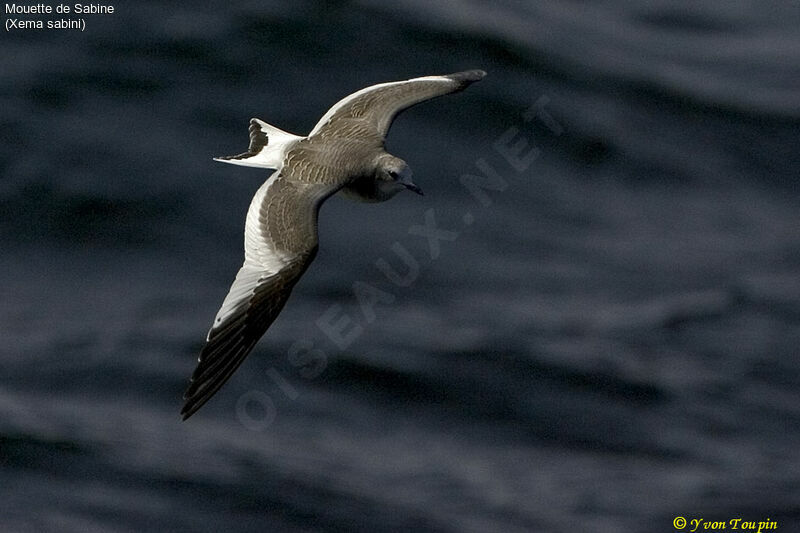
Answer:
[(344, 153)]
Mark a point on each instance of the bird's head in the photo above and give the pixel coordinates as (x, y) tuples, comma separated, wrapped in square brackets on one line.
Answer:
[(394, 175)]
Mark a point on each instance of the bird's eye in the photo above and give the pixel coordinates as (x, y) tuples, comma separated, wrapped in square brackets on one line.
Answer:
[(393, 174)]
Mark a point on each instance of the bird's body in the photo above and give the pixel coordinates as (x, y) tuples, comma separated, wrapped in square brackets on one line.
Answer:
[(343, 153)]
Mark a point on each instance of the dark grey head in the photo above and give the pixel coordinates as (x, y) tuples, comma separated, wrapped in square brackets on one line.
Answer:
[(393, 175), (398, 173)]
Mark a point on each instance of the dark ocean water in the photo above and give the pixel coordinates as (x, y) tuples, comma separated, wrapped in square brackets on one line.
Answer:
[(609, 342)]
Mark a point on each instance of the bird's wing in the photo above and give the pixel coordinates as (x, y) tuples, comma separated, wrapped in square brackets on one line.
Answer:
[(369, 112), (280, 243)]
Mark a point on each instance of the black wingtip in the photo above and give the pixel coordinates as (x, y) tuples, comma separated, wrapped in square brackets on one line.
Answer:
[(188, 410), (185, 411), (468, 76)]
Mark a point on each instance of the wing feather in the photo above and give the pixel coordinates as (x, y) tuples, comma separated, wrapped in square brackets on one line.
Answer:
[(280, 244), (370, 111)]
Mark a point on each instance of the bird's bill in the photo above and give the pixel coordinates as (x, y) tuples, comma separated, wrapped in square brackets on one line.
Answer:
[(411, 187)]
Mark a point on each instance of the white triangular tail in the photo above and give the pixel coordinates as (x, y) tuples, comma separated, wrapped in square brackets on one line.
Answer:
[(267, 146)]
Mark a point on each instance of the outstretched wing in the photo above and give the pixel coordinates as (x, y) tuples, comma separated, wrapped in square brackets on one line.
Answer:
[(280, 243), (369, 112)]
